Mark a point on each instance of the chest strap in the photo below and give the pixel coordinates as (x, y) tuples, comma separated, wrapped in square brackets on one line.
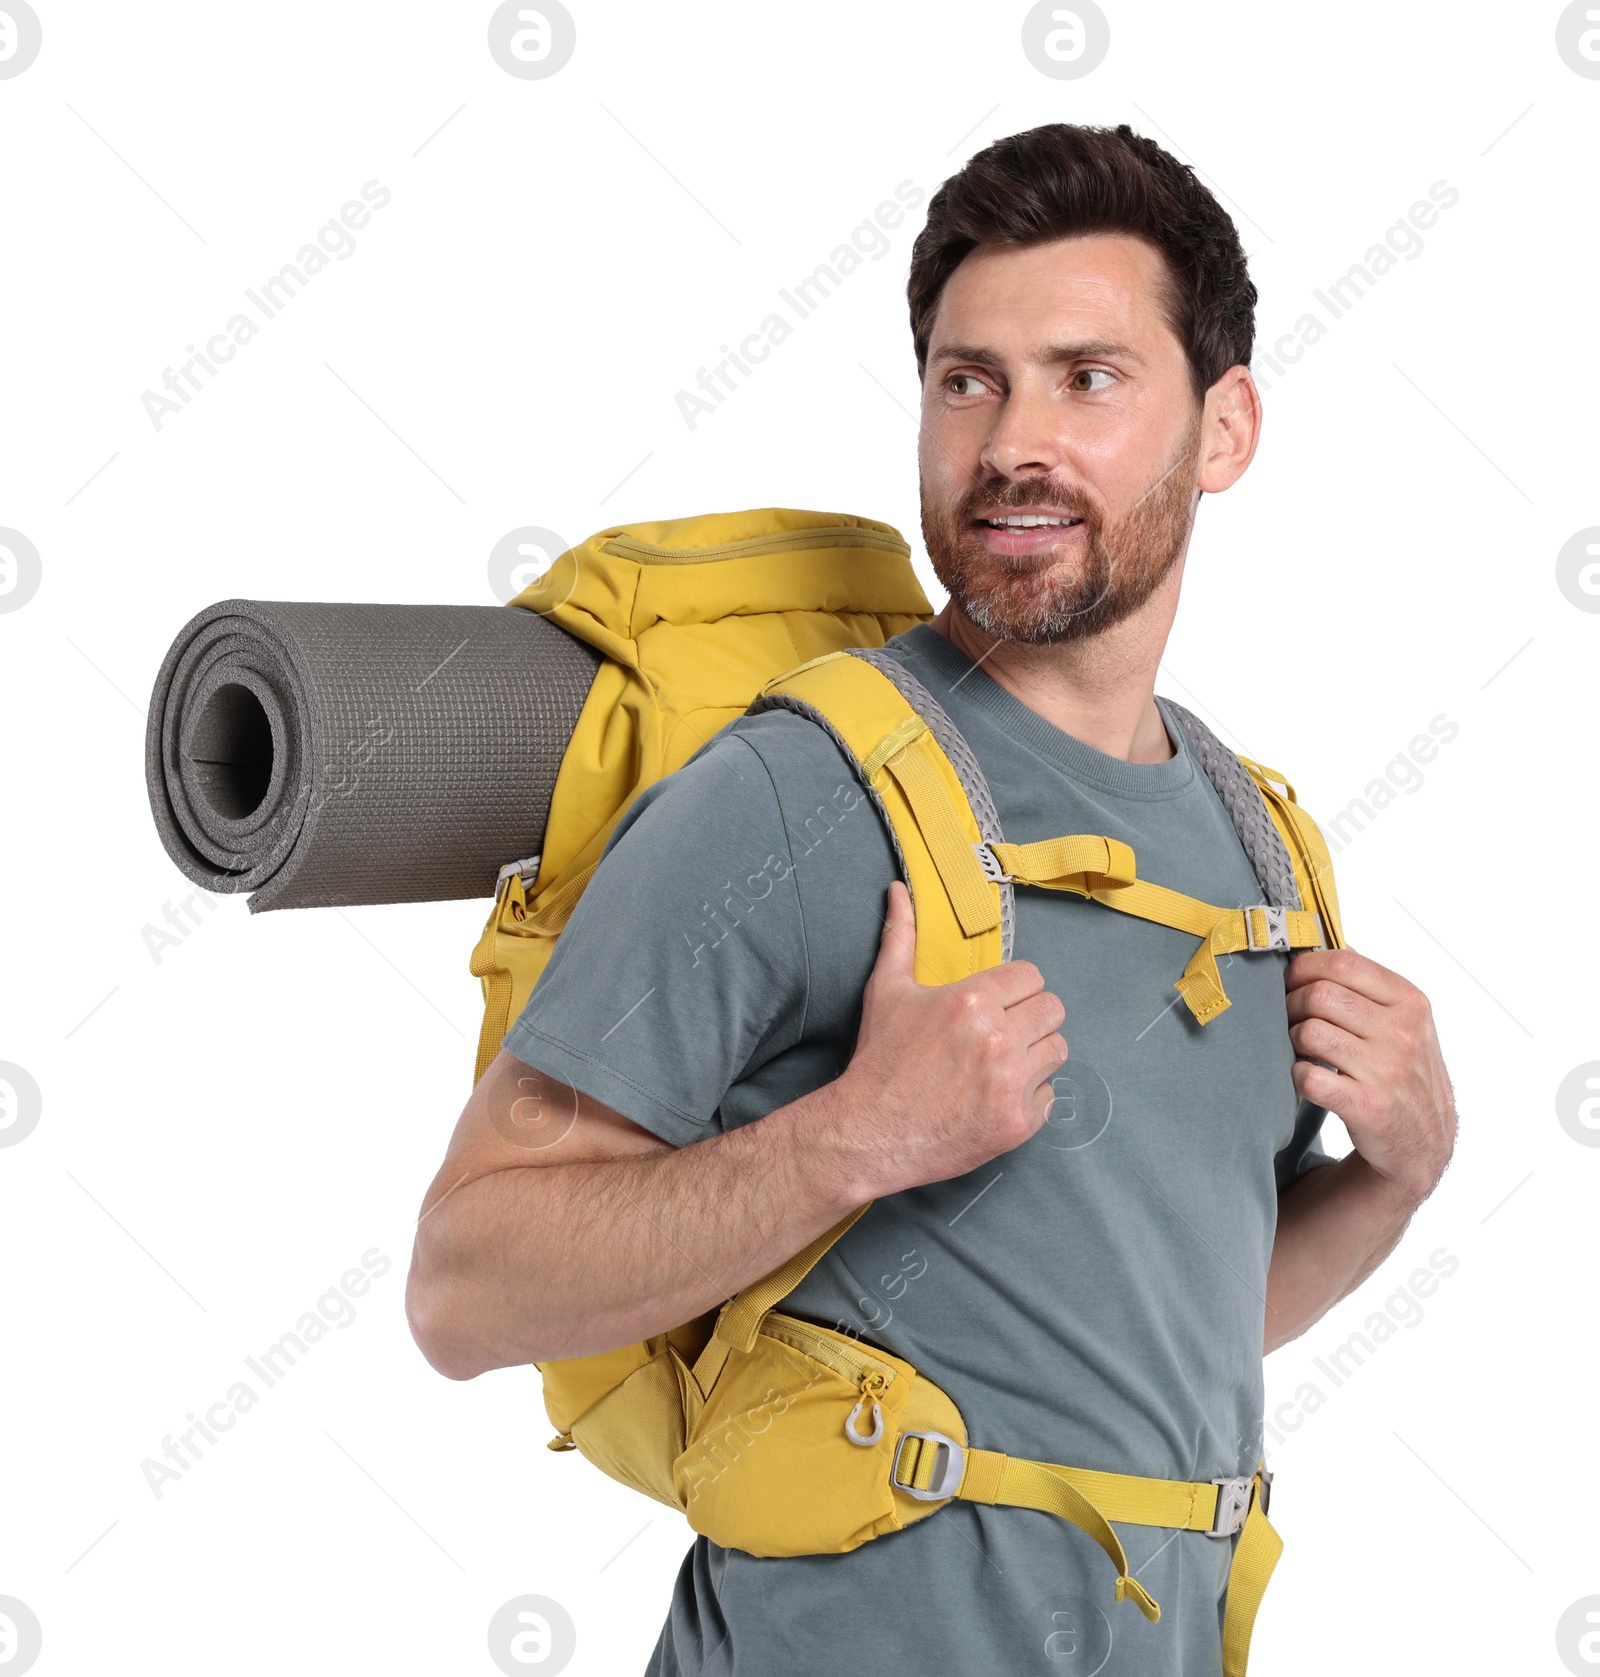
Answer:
[(1104, 870), (963, 923)]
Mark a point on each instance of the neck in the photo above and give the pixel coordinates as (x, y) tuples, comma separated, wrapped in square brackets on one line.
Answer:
[(1100, 690)]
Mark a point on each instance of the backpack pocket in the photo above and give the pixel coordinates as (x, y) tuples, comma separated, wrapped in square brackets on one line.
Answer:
[(636, 1431), (791, 1450)]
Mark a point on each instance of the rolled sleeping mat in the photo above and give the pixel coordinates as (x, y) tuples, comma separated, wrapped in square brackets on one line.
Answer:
[(316, 754)]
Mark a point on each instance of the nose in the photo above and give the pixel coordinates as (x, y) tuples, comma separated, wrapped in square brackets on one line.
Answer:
[(1026, 439)]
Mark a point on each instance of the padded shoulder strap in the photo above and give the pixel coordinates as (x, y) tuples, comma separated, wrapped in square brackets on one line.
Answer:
[(1259, 835), (962, 760), (923, 801), (929, 816), (1284, 845), (1308, 850)]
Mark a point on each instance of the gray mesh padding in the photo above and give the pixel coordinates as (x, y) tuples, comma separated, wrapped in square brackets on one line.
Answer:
[(787, 701), (1246, 808), (319, 754)]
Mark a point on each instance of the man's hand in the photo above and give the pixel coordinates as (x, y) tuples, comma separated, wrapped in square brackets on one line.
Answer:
[(1389, 1084), (945, 1076)]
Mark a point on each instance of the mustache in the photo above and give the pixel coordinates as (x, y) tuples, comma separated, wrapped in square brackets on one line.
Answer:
[(1041, 492)]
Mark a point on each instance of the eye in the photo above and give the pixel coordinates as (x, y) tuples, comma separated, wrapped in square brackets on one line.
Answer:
[(1083, 374), (969, 378)]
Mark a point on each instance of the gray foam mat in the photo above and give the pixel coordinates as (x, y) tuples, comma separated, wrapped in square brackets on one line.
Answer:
[(320, 754)]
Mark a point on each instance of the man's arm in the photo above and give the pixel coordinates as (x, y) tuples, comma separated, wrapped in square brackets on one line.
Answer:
[(558, 1228), (1385, 1077), (586, 1232)]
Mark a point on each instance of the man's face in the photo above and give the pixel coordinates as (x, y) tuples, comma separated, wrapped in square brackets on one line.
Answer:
[(1055, 388)]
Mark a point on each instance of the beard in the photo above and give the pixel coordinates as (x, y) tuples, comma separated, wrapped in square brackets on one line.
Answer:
[(1037, 598)]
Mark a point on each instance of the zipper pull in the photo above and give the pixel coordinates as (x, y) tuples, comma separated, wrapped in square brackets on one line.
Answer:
[(871, 1384)]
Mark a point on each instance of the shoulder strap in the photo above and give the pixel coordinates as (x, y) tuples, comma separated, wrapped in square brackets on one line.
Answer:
[(923, 799), (962, 761), (1308, 850), (940, 814), (906, 752), (1258, 834), (1284, 844)]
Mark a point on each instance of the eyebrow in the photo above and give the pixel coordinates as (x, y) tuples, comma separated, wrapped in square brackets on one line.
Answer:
[(1085, 350)]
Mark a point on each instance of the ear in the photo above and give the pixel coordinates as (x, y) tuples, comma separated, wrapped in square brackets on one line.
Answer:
[(1230, 426)]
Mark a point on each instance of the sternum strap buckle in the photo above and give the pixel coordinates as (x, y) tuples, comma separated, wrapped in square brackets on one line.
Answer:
[(1266, 927)]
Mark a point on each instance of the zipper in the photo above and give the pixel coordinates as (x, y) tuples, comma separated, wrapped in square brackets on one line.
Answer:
[(783, 541), (856, 1366), (871, 1385)]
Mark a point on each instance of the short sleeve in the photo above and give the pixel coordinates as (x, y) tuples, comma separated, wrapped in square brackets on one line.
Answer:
[(1304, 1151), (684, 962)]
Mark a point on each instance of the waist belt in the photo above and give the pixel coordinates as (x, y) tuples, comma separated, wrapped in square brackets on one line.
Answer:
[(932, 1467), (779, 1436)]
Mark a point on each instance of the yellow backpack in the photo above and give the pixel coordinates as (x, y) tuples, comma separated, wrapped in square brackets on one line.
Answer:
[(699, 620)]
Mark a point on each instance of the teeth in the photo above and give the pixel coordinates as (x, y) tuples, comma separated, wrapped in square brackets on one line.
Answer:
[(1024, 521)]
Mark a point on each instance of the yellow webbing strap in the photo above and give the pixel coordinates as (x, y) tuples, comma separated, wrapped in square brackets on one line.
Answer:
[(993, 1477), (740, 1318), (1201, 983), (1308, 851), (1103, 869), (514, 915), (971, 895), (1079, 862), (1091, 1500), (1260, 772), (1254, 1557), (892, 744)]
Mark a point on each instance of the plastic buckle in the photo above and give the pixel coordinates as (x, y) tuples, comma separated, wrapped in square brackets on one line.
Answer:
[(1266, 1489), (990, 863), (1233, 1505), (952, 1468), (1277, 927), (528, 867)]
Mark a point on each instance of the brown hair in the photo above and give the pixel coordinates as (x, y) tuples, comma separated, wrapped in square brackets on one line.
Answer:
[(1061, 180)]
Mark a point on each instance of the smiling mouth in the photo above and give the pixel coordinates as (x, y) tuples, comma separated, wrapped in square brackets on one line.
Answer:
[(1028, 521)]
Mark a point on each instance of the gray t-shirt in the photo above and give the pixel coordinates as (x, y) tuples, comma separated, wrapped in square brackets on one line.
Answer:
[(1094, 1297)]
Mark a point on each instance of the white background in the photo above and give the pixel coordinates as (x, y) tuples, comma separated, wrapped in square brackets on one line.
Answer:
[(227, 1130)]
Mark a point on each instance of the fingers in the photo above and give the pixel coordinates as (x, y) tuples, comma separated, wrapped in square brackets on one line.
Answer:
[(1317, 1039), (1037, 1017), (897, 949), (1009, 984), (1043, 1098), (1046, 1057), (1349, 968), (1324, 998), (1345, 1097)]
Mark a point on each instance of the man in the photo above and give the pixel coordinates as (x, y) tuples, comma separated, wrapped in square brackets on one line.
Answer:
[(1088, 1254)]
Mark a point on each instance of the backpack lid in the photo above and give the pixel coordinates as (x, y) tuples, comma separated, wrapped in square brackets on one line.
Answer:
[(613, 588)]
